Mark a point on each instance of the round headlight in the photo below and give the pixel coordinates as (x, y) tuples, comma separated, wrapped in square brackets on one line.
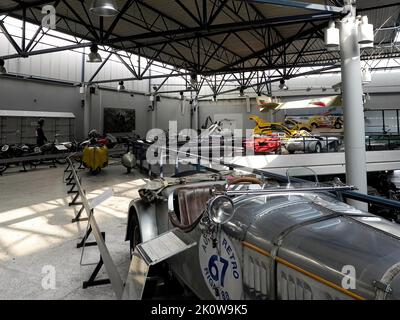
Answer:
[(221, 209)]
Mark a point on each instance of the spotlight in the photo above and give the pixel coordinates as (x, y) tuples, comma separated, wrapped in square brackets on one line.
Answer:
[(104, 8), (332, 36), (94, 56), (308, 89), (193, 79), (365, 31), (241, 92), (121, 86), (2, 67), (366, 75), (282, 85), (214, 98)]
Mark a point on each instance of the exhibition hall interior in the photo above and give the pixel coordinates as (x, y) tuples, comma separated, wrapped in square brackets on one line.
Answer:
[(192, 150)]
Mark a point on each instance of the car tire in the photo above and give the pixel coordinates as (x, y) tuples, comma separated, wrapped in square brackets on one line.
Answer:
[(335, 146), (3, 168), (291, 151), (153, 277), (318, 148), (338, 125), (135, 237)]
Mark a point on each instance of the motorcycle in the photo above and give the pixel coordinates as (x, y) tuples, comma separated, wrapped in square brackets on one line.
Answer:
[(18, 151), (95, 152)]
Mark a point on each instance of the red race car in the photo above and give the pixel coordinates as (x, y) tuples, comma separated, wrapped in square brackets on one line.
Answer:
[(262, 145)]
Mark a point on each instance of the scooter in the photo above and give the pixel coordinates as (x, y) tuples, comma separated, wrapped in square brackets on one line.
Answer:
[(129, 160), (95, 154)]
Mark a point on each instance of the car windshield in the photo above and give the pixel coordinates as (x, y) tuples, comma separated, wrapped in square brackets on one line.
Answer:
[(290, 123)]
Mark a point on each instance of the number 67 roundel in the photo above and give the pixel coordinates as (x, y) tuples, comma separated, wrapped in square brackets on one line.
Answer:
[(222, 273)]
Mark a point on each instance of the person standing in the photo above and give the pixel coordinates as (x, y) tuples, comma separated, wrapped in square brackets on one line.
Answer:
[(40, 137)]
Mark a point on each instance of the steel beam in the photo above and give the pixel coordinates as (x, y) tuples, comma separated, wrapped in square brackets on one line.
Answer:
[(300, 5), (100, 67), (316, 71), (10, 38), (284, 42), (44, 51), (25, 5), (182, 34), (132, 70)]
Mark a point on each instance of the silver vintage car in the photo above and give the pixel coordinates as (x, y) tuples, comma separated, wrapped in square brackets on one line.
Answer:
[(257, 239), (308, 142)]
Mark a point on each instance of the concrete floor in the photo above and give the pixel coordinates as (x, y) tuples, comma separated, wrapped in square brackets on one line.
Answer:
[(36, 232)]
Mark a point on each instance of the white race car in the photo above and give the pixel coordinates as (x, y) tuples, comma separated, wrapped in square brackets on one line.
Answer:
[(311, 143)]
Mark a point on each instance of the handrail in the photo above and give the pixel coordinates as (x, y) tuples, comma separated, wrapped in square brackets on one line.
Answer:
[(112, 271)]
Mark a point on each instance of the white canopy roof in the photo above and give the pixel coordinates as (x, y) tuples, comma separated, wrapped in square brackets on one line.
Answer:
[(36, 114)]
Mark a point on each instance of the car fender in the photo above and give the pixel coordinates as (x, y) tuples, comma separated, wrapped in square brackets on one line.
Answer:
[(146, 215)]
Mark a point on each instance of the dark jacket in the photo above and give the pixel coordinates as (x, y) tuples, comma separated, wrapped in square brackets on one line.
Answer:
[(40, 137)]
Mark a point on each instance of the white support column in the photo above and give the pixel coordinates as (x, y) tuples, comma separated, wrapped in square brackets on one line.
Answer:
[(87, 111), (353, 109)]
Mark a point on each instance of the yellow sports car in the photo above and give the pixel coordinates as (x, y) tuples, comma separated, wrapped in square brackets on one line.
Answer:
[(327, 122), (269, 128)]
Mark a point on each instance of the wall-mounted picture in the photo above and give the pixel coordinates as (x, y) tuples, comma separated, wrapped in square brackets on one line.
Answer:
[(119, 120)]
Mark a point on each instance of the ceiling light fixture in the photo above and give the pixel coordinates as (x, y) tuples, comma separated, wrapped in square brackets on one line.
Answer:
[(332, 41), (121, 86), (94, 56), (104, 8), (282, 85), (365, 31), (366, 75), (193, 79)]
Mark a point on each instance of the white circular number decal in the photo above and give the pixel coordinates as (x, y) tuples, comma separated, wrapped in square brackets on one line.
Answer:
[(221, 272)]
